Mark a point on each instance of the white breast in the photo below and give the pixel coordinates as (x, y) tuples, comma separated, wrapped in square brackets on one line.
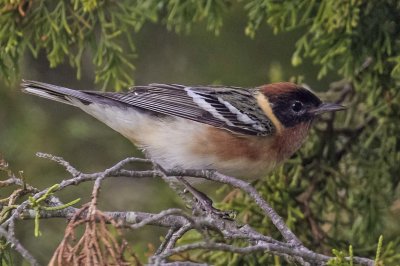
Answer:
[(167, 140)]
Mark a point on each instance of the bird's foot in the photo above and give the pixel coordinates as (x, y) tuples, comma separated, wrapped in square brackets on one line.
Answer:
[(204, 204)]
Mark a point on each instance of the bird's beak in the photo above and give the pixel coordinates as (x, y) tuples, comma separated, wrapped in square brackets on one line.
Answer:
[(328, 107)]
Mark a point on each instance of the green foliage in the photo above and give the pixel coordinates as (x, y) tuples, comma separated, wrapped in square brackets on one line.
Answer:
[(37, 205), (5, 253), (67, 30), (379, 250), (340, 259), (339, 35), (339, 189)]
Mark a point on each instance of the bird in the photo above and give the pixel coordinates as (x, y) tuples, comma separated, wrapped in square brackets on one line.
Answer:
[(241, 132)]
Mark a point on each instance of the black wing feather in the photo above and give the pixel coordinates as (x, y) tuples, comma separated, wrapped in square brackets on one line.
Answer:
[(174, 100)]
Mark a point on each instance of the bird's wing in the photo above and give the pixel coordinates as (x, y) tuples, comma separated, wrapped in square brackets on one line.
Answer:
[(230, 108)]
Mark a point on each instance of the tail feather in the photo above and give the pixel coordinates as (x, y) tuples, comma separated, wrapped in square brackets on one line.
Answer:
[(56, 93), (111, 112)]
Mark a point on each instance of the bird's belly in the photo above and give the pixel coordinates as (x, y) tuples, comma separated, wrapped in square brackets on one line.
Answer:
[(247, 157), (180, 143)]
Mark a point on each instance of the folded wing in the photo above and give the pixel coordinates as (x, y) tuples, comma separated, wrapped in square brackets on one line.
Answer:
[(230, 108)]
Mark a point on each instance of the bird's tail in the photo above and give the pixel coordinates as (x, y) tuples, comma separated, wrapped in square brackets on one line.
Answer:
[(56, 93)]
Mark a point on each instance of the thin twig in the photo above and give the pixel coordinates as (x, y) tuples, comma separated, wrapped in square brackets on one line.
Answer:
[(177, 220), (15, 244)]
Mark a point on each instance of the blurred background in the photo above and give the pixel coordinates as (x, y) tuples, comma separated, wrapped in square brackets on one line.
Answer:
[(29, 124)]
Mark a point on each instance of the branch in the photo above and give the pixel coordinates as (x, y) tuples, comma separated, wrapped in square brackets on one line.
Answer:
[(177, 220), (250, 190), (15, 244), (267, 247)]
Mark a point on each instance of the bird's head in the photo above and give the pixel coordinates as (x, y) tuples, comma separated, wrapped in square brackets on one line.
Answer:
[(292, 104)]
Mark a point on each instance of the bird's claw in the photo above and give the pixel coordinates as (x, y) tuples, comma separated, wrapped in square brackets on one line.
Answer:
[(203, 204), (228, 215)]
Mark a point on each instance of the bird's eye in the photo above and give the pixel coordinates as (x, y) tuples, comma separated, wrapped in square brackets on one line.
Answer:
[(297, 106)]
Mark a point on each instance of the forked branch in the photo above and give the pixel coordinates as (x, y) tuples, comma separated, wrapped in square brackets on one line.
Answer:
[(97, 245)]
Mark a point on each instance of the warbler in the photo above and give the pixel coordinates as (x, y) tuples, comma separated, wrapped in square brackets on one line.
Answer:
[(236, 131)]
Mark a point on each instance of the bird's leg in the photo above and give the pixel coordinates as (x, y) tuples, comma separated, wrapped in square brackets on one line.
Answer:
[(205, 203)]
